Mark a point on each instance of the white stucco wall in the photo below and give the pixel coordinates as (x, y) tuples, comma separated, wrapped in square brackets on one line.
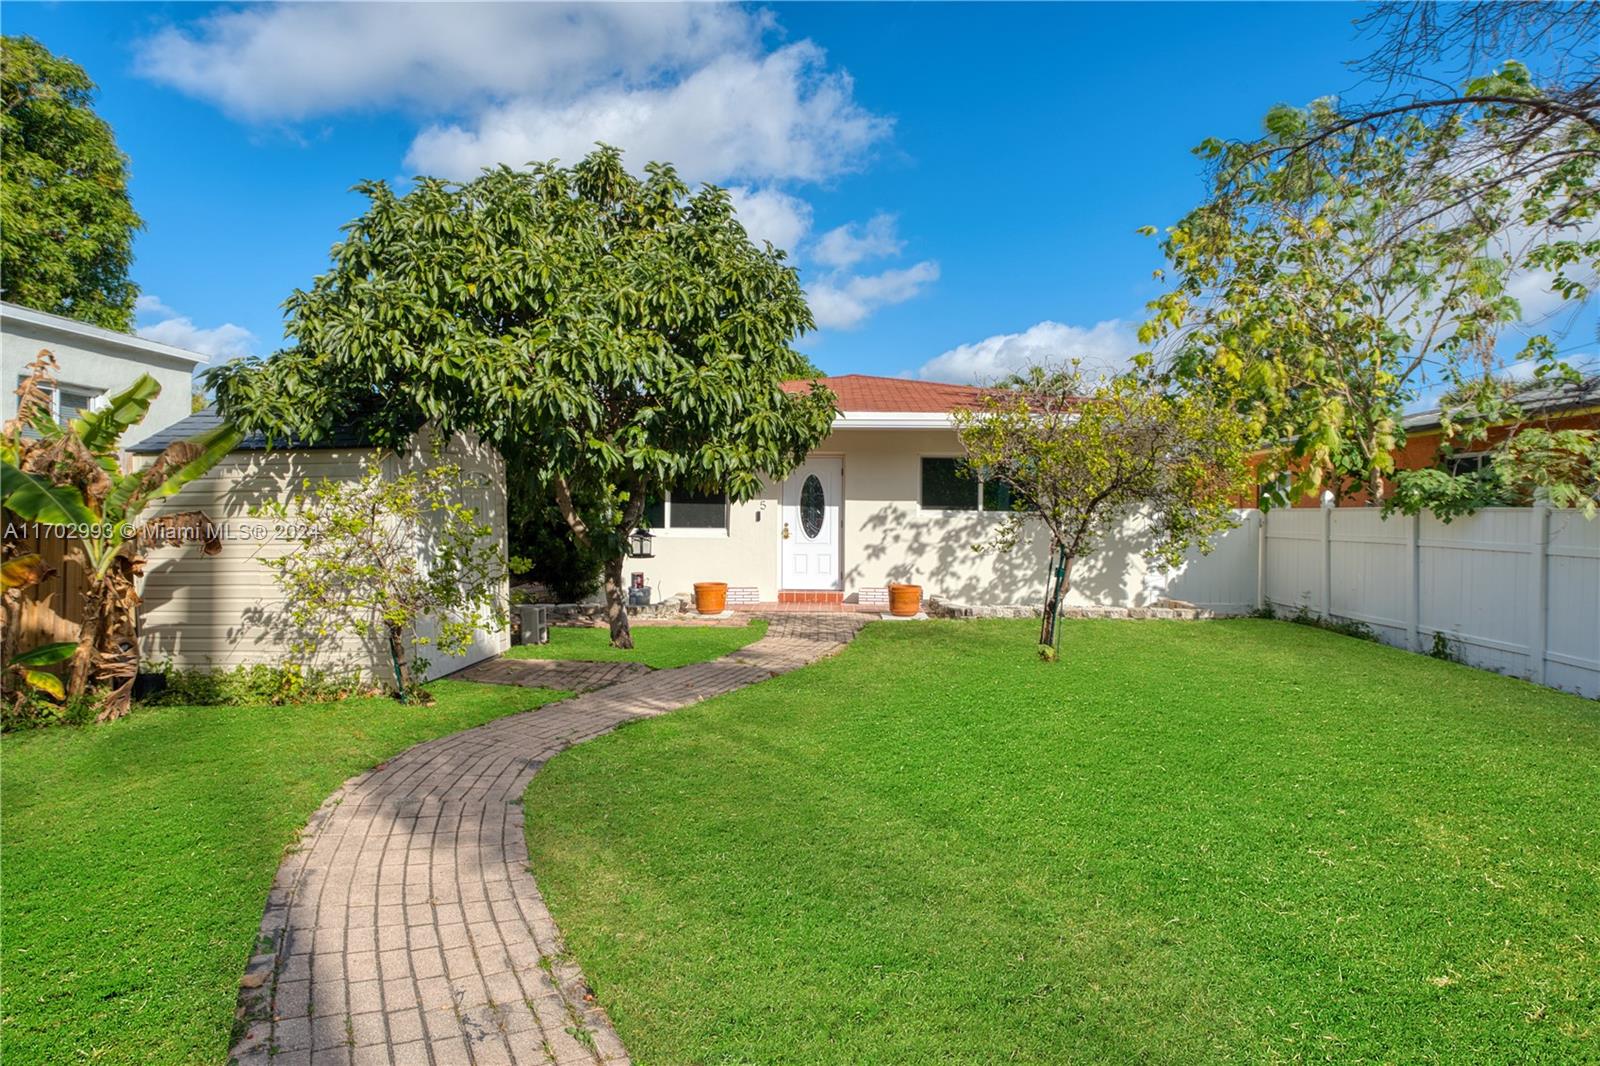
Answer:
[(888, 536), (226, 610), (99, 360)]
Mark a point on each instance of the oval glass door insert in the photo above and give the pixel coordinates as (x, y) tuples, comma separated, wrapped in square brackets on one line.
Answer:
[(812, 507)]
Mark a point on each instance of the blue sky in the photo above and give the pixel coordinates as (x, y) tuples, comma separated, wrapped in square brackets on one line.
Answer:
[(959, 184)]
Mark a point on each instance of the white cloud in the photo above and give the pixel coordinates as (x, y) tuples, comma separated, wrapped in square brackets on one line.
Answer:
[(847, 245), (845, 302), (217, 342), (286, 62), (693, 84), (689, 83), (770, 215), (779, 116), (1104, 347)]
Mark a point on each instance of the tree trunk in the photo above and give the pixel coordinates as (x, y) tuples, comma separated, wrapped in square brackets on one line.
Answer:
[(1055, 590), (617, 604), (397, 656), (116, 658), (88, 641)]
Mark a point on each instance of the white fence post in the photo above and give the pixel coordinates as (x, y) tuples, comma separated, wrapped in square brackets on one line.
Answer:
[(1538, 638), (1327, 557), (1414, 581), (1261, 559)]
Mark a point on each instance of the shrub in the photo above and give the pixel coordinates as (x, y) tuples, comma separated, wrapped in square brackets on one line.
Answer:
[(254, 684), (1342, 626), (30, 709)]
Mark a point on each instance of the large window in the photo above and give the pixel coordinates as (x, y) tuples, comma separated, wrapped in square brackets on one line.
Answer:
[(950, 485), (688, 510)]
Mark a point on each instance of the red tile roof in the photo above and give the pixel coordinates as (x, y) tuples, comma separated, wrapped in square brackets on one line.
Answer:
[(862, 392)]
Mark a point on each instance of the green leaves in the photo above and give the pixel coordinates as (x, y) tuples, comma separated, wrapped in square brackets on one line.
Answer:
[(1088, 454), (177, 465), (622, 335), (66, 223), (35, 499), (46, 654), (101, 430), (356, 568), (1339, 268)]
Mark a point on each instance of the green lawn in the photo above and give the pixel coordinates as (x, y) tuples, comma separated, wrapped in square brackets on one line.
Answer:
[(656, 646), (137, 857), (1236, 841)]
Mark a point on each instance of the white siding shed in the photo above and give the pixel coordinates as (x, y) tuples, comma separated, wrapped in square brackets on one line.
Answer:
[(226, 610)]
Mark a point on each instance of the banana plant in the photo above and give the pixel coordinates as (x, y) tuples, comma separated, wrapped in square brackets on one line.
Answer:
[(72, 477)]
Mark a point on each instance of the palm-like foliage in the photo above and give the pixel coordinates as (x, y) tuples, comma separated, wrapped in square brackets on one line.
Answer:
[(72, 478)]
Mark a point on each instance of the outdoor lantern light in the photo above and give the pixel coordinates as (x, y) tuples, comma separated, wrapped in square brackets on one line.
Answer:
[(640, 544)]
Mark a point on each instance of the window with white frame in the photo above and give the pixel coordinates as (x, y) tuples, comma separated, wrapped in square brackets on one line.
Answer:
[(701, 512), (67, 400), (1468, 463)]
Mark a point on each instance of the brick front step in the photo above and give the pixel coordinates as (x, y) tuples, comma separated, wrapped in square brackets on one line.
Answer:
[(810, 596)]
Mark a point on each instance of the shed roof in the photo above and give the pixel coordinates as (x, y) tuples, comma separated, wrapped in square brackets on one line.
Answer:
[(209, 418)]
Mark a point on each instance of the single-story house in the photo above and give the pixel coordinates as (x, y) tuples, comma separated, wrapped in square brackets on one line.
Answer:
[(885, 498), (93, 362), (217, 612)]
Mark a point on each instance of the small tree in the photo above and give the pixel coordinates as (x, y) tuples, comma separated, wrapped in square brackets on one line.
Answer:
[(1081, 457), (375, 555)]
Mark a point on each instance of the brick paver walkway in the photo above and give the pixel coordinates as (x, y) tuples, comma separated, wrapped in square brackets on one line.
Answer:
[(407, 928), (569, 675)]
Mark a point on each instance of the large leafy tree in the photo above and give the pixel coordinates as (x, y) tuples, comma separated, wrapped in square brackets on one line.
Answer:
[(1342, 268), (1364, 251), (66, 223), (1081, 457), (614, 336)]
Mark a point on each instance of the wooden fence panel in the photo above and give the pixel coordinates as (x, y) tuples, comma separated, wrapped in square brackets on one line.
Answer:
[(53, 609)]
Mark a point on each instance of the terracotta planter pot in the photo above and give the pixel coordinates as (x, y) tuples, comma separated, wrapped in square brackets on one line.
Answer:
[(905, 600), (710, 597)]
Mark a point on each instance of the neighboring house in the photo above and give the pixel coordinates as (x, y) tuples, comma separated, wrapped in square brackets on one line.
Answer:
[(1562, 405), (203, 612), (886, 498), (93, 362)]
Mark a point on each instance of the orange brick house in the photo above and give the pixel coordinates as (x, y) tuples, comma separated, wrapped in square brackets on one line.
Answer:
[(1565, 405)]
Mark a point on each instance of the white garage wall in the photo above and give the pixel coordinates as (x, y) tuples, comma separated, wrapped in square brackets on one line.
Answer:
[(225, 610)]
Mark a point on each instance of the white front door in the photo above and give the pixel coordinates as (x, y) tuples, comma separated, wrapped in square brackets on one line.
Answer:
[(810, 531)]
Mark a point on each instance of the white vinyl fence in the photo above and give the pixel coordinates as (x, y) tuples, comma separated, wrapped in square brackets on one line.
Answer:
[(1510, 589)]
